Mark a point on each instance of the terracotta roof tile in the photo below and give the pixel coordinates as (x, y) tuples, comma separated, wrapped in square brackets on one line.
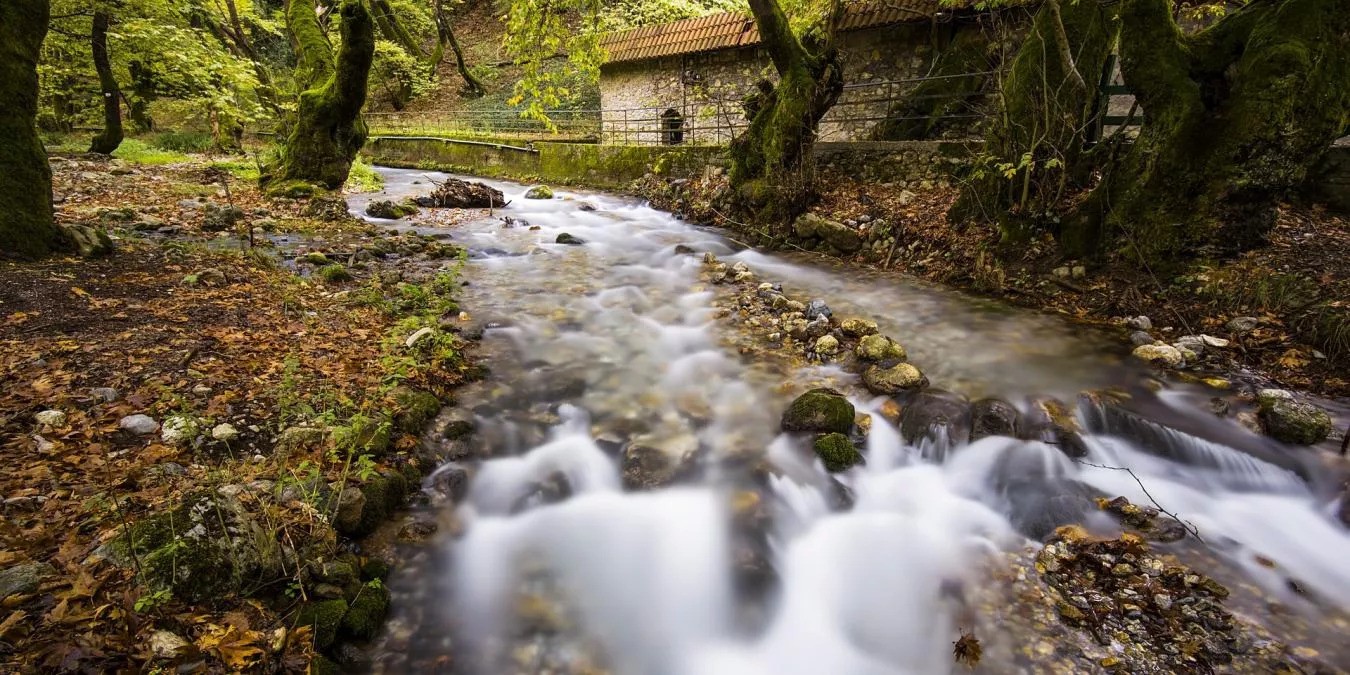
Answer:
[(730, 30)]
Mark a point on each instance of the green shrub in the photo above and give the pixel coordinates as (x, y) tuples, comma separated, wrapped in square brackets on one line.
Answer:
[(182, 141)]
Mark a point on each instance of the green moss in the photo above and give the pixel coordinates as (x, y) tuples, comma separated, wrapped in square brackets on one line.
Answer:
[(384, 494), (375, 568), (367, 612), (836, 451), (317, 259), (322, 665), (822, 410), (414, 408), (325, 616), (292, 189), (333, 274), (365, 435), (539, 192)]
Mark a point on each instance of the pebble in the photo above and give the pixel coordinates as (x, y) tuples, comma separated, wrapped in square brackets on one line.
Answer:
[(1160, 354), (1140, 322), (1242, 325), (105, 394), (139, 424), (1140, 338)]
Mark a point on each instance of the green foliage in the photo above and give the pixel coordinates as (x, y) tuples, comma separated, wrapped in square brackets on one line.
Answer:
[(333, 274), (139, 152), (364, 178), (182, 141), (397, 76)]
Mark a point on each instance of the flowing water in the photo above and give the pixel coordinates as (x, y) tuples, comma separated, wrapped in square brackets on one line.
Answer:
[(550, 565)]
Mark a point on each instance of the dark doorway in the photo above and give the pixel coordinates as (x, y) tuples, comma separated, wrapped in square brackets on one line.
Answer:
[(672, 127)]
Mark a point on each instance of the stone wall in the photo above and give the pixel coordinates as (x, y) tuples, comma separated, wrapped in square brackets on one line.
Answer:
[(913, 165), (706, 90), (610, 167)]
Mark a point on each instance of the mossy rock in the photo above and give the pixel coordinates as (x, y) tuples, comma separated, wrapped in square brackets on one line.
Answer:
[(334, 273), (208, 547), (819, 410), (384, 494), (539, 192), (837, 452), (390, 210), (326, 617), (375, 568), (367, 612), (413, 408), (317, 259), (322, 665), (1292, 420), (879, 348)]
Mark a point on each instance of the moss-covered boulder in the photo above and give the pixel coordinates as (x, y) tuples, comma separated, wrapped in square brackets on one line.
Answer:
[(383, 494), (897, 379), (879, 348), (819, 410), (390, 210), (413, 408), (539, 192), (367, 612), (314, 258), (1289, 419), (325, 616), (836, 452), (333, 274), (209, 546)]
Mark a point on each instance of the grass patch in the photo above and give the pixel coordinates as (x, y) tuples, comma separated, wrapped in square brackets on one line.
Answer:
[(136, 151), (242, 168), (364, 178)]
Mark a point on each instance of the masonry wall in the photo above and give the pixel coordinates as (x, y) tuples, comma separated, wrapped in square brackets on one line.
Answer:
[(706, 90)]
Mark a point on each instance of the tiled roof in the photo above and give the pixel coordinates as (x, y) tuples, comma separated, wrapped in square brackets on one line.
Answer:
[(731, 30)]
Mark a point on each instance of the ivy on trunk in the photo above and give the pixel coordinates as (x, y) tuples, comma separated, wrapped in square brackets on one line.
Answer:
[(326, 131), (27, 229)]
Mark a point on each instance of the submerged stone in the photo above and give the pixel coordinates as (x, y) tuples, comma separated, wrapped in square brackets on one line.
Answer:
[(879, 348), (1289, 419), (901, 377)]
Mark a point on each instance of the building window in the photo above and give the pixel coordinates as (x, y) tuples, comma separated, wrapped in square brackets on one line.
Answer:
[(672, 127)]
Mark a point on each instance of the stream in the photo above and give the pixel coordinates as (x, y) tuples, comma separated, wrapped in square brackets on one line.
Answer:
[(547, 564)]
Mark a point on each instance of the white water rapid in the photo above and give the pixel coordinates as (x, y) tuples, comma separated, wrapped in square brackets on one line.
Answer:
[(617, 342)]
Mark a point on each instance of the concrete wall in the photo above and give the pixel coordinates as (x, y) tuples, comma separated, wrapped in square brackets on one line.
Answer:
[(707, 89)]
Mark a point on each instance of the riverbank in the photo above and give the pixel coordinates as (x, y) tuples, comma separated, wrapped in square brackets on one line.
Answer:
[(1290, 295), (200, 428)]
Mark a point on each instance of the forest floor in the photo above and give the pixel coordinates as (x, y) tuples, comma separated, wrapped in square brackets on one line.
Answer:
[(225, 351)]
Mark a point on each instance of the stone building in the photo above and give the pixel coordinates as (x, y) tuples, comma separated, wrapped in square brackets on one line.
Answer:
[(683, 82)]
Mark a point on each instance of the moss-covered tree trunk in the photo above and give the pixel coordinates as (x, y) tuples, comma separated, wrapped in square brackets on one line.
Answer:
[(111, 136), (766, 158), (960, 75), (1234, 117), (26, 226), (326, 130), (1033, 155)]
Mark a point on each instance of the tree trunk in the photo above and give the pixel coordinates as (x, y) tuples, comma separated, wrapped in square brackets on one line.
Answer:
[(960, 75), (326, 131), (1034, 147), (445, 35), (767, 157), (27, 229), (1234, 118), (111, 136)]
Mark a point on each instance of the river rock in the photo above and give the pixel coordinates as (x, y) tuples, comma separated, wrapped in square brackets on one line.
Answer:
[(646, 467), (806, 225), (855, 327), (827, 345), (390, 210), (139, 424), (1195, 343), (539, 192), (1139, 322), (1140, 338), (993, 417), (570, 240), (839, 235), (1289, 419), (898, 378), (220, 218), (89, 241), (879, 349), (1163, 355), (819, 410), (934, 410), (351, 503), (816, 309), (460, 194), (836, 452)]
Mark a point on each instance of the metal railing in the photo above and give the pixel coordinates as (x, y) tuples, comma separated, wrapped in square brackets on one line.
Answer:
[(707, 121)]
